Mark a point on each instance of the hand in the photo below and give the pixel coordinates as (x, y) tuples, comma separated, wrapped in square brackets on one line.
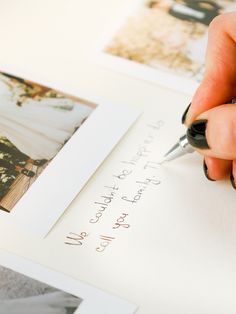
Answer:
[(218, 87)]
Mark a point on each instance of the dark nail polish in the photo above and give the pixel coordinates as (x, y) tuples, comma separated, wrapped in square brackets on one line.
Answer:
[(196, 134), (206, 171), (185, 114), (232, 181)]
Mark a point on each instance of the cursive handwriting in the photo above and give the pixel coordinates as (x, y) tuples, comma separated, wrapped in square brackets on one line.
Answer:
[(76, 238), (140, 159), (139, 193), (120, 222), (124, 174), (106, 241), (103, 203)]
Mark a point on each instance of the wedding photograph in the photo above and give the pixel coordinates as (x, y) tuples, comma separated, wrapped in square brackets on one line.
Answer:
[(166, 36), (20, 294), (35, 123)]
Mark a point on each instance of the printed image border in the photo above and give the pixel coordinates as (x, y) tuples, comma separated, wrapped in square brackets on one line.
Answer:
[(159, 75), (46, 200)]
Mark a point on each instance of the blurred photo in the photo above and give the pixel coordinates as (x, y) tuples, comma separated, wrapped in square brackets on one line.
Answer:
[(51, 143), (167, 37), (35, 123), (20, 294)]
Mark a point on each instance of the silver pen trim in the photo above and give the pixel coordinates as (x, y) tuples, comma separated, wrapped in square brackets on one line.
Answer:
[(181, 148)]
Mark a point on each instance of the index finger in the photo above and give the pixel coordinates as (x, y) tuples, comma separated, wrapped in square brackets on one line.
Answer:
[(219, 83)]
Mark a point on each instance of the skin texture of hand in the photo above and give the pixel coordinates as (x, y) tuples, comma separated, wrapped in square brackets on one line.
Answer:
[(212, 99)]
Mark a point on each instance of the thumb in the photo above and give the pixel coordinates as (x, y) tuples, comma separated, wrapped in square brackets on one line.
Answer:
[(213, 134)]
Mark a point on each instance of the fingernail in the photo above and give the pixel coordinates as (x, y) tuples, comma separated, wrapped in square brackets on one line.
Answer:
[(206, 171), (196, 134), (185, 114), (232, 181)]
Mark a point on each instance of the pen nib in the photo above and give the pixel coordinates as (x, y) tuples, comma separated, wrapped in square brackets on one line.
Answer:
[(181, 148), (162, 161)]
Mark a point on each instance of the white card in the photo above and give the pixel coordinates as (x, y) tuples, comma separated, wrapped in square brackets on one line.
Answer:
[(154, 235)]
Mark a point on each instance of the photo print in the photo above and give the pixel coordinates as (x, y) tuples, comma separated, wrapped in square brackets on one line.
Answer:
[(20, 294), (164, 41), (50, 145), (28, 287), (35, 123)]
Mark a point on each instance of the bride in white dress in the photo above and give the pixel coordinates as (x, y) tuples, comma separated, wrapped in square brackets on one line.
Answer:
[(38, 127)]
